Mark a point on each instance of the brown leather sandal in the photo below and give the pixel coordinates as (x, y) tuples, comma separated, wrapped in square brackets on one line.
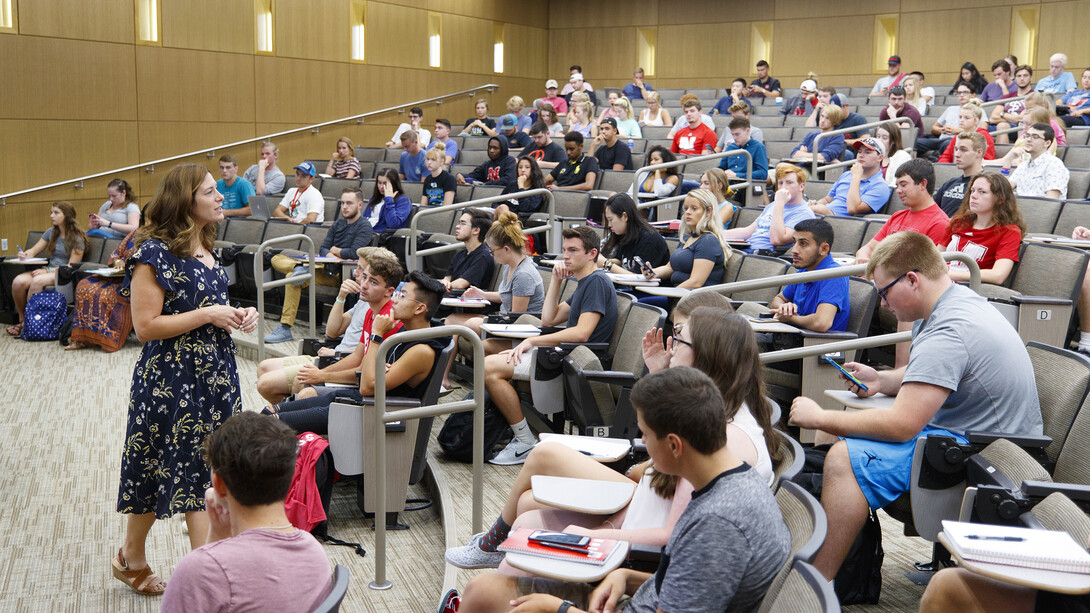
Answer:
[(143, 581)]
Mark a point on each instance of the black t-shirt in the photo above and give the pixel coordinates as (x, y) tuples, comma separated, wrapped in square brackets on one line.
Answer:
[(476, 130), (519, 140), (549, 153), (950, 195), (574, 173), (476, 267), (768, 84), (435, 187), (595, 293), (619, 153), (649, 246)]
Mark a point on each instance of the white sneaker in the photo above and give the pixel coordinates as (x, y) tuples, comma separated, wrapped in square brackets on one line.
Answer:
[(514, 453), (471, 556)]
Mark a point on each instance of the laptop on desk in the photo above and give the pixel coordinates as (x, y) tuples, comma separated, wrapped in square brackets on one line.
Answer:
[(260, 207)]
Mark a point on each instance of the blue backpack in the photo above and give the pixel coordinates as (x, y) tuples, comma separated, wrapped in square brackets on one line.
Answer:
[(45, 312)]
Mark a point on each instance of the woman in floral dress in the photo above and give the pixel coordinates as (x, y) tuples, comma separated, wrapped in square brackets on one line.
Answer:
[(185, 383)]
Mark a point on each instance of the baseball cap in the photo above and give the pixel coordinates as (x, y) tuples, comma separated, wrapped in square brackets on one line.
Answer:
[(307, 168), (809, 85), (508, 121), (870, 143), (551, 83), (611, 121), (576, 76), (894, 59), (837, 99)]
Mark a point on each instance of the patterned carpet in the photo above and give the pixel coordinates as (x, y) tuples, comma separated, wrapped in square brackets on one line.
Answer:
[(64, 417)]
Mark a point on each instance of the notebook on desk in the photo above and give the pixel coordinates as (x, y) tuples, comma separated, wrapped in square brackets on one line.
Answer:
[(596, 552), (513, 330), (1012, 546)]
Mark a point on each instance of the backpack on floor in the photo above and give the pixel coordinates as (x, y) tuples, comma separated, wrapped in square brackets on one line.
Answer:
[(456, 436), (311, 488), (45, 312)]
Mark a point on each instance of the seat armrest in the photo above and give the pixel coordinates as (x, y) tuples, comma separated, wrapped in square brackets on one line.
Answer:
[(644, 553), (392, 402), (637, 445), (1020, 299), (597, 348), (1040, 489), (310, 346), (737, 303), (614, 377), (828, 335), (1025, 441)]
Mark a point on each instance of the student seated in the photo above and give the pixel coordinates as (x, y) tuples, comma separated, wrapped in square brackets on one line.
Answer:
[(821, 306), (303, 204), (578, 172), (699, 259), (498, 169), (389, 207), (987, 226), (439, 185), (727, 545), (915, 179), (631, 241), (862, 190), (276, 376), (831, 147), (472, 265), (715, 180), (775, 225), (948, 387), (62, 244), (724, 350), (529, 178), (481, 124), (590, 315), (343, 163), (254, 559), (661, 182), (119, 215), (265, 176), (235, 189)]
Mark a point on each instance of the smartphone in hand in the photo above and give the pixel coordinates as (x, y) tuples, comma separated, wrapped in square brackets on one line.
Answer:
[(847, 374)]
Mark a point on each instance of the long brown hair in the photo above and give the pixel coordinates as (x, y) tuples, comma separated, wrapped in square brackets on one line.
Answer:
[(1005, 210), (72, 233), (170, 213)]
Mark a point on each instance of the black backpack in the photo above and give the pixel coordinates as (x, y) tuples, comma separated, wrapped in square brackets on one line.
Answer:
[(456, 436), (859, 580), (324, 476)]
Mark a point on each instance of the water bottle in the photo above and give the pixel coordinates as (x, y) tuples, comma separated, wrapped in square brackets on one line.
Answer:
[(631, 142)]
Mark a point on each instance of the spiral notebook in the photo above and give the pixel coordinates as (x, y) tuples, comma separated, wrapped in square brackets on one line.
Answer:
[(1023, 547), (519, 542)]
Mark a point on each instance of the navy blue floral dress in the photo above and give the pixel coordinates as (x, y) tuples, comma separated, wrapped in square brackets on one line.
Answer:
[(183, 388)]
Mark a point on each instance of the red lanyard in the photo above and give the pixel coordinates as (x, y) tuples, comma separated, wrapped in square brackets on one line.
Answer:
[(295, 200)]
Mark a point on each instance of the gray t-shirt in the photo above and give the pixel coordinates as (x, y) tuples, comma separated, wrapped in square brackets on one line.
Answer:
[(352, 333), (525, 282), (726, 548), (595, 293), (119, 216), (59, 257), (966, 346), (274, 179)]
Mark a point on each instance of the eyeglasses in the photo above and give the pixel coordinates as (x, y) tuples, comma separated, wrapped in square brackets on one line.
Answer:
[(401, 295), (1033, 136), (677, 332), (461, 223), (882, 292)]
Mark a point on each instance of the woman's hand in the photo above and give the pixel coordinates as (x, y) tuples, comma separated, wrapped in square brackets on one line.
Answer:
[(249, 319), (655, 356), (388, 190), (223, 316), (473, 292)]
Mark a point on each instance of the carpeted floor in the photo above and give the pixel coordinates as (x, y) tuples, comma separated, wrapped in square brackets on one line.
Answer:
[(63, 416)]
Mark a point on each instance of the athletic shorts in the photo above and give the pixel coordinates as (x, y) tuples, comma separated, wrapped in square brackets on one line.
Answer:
[(884, 470)]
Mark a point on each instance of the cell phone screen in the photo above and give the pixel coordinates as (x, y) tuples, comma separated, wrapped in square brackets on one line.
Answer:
[(560, 538), (847, 374)]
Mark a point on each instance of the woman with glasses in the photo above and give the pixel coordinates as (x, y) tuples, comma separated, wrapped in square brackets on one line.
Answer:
[(726, 350)]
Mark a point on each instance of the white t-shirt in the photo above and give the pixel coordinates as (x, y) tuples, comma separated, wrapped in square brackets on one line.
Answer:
[(310, 201), (745, 420), (422, 136)]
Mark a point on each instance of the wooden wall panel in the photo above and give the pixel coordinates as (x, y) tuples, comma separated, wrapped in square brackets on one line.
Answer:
[(161, 139), (312, 29), (396, 36), (102, 20), (934, 6), (603, 15), (46, 151), (604, 53), (54, 78), (680, 50), (299, 91), (796, 52), (805, 9), (682, 12), (533, 14), (186, 85), (526, 53), (209, 25), (1063, 30), (933, 45), (466, 45)]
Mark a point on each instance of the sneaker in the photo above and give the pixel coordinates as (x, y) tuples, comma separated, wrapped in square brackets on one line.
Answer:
[(450, 602), (514, 453), (281, 334), (1084, 350), (299, 271), (472, 556)]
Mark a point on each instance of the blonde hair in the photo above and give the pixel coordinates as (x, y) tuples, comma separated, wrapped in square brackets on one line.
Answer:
[(515, 102), (709, 221), (834, 113), (974, 106), (269, 143), (719, 182), (577, 97), (586, 107), (437, 153), (366, 253), (506, 231), (653, 95), (351, 147), (916, 95), (623, 101)]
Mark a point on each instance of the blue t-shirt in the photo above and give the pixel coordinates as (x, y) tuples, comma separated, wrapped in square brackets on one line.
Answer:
[(737, 163), (791, 216), (832, 147), (724, 104), (632, 92), (412, 166), (873, 191), (1056, 85), (595, 293), (706, 247), (235, 196), (807, 296), (450, 147)]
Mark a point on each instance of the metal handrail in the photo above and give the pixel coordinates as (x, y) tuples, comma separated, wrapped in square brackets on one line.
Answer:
[(314, 128), (379, 417), (832, 273), (259, 280), (852, 344), (873, 124), (412, 255), (989, 103), (634, 190)]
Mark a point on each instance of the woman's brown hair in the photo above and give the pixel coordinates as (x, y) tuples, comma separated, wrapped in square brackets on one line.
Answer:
[(72, 233), (1005, 210), (170, 214)]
